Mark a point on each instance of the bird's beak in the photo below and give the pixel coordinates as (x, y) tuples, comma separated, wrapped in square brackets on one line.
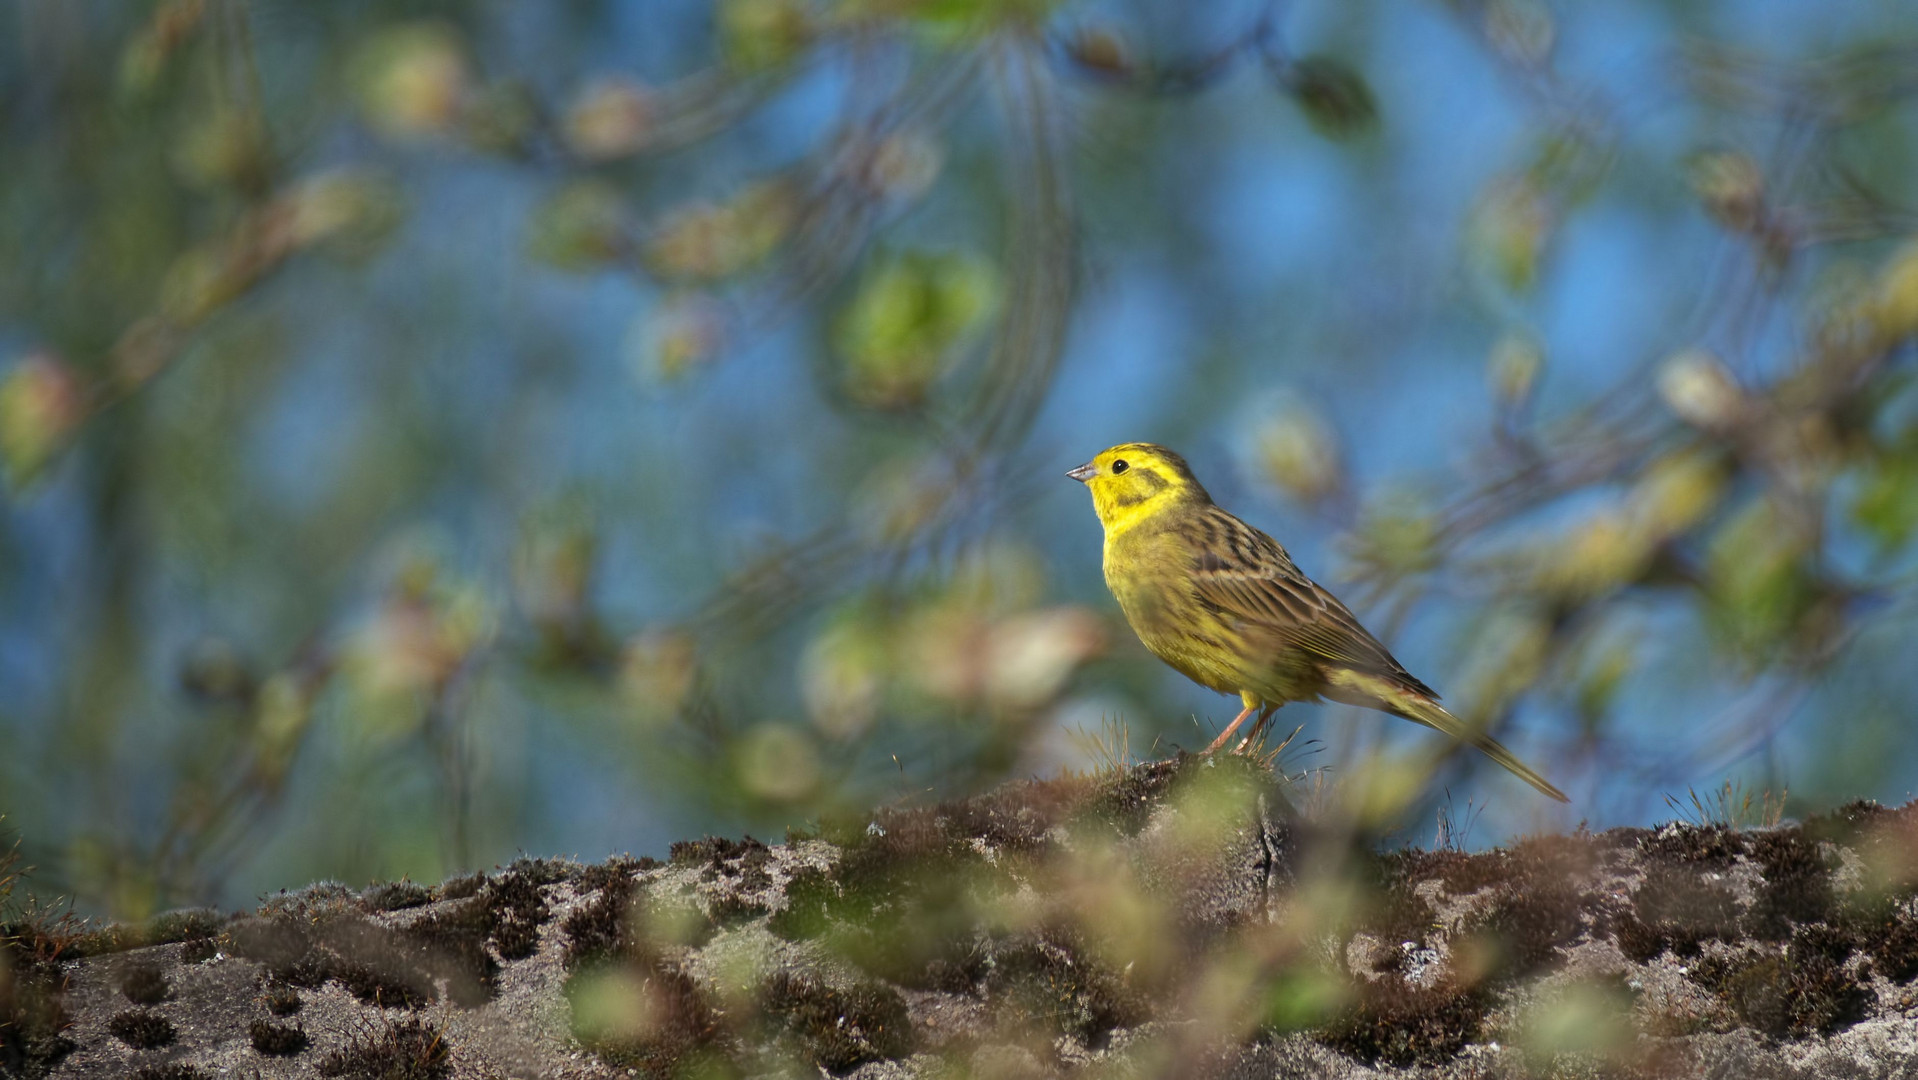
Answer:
[(1084, 472)]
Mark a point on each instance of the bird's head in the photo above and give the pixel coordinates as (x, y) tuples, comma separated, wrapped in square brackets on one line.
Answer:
[(1133, 481)]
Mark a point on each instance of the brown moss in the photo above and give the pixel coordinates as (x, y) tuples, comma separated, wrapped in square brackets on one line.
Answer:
[(839, 1029), (1800, 990), (681, 1025), (1400, 1024), (142, 1029), (281, 1000), (1676, 908), (396, 896), (277, 1040), (1797, 887), (408, 1050), (171, 1071)]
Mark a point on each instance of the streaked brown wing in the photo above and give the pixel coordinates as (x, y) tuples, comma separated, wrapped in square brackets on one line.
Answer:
[(1247, 577)]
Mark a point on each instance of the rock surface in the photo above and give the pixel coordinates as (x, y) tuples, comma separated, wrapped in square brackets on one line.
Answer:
[(1163, 921)]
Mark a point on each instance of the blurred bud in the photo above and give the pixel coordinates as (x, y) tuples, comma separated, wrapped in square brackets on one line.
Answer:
[(1397, 536), (553, 566), (1100, 49), (1604, 552), (760, 35), (1507, 659), (285, 708), (1333, 95), (1513, 368), (1032, 656), (1756, 578), (709, 242), (41, 404), (1676, 492), (842, 674), (779, 763), (222, 149), (582, 226), (901, 498), (898, 335), (1521, 30), (1298, 452), (423, 633), (656, 670), (199, 282), (1897, 294), (611, 118), (412, 79), (944, 653), (900, 166), (1605, 669), (172, 23), (682, 333), (1732, 188), (999, 576), (501, 117), (1697, 387), (1509, 229), (214, 670), (350, 210)]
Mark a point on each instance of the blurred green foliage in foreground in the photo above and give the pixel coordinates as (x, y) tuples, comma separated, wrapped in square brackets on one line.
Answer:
[(433, 429)]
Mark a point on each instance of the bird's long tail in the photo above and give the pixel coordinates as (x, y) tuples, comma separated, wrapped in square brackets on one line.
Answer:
[(1373, 692)]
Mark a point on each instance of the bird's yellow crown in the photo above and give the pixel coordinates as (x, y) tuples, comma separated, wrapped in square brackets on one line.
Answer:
[(1134, 481)]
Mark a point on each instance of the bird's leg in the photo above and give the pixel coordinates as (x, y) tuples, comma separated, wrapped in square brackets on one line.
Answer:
[(1258, 725), (1232, 727)]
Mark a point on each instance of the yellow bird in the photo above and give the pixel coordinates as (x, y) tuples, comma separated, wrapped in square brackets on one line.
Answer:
[(1223, 604)]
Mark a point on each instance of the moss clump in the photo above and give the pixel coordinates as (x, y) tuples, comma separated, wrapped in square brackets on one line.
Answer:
[(1800, 990), (516, 909), (408, 1050), (839, 1029), (281, 1000), (1052, 979), (172, 1071), (277, 1040), (460, 887), (1402, 1024), (142, 1029), (1709, 846), (198, 950), (396, 896), (1797, 888), (596, 929), (144, 984), (33, 997), (594, 878), (1676, 909), (680, 1026)]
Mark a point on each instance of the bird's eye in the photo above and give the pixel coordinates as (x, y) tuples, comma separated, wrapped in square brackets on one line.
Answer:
[(1119, 467)]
